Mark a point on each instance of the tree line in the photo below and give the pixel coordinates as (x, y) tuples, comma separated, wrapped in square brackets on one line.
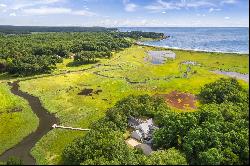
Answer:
[(215, 134), (36, 53), (39, 53), (8, 29), (140, 34)]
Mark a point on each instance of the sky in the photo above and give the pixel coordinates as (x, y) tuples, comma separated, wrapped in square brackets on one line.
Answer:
[(126, 13)]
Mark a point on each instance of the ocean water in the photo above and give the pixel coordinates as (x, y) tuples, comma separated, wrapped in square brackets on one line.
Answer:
[(229, 40)]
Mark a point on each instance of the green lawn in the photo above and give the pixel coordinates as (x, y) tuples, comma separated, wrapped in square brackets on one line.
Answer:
[(115, 77), (16, 119)]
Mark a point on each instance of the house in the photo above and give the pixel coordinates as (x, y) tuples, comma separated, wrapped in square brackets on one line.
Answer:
[(143, 129)]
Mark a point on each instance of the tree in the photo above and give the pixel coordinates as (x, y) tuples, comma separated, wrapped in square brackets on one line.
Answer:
[(173, 127), (215, 130), (210, 157), (61, 51), (103, 144), (100, 161), (171, 156), (229, 157), (223, 90), (217, 133), (30, 64), (117, 117), (3, 65), (142, 105), (85, 57), (55, 46)]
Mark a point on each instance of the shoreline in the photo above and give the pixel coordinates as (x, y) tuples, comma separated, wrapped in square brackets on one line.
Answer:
[(193, 50)]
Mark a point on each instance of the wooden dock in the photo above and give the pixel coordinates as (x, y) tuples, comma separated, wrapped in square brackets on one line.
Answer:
[(70, 128)]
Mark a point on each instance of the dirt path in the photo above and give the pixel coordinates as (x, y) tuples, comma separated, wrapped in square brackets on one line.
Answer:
[(46, 120)]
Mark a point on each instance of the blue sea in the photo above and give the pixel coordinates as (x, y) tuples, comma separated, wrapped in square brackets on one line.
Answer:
[(228, 40)]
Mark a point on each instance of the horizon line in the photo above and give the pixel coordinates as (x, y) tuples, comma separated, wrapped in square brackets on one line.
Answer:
[(126, 26)]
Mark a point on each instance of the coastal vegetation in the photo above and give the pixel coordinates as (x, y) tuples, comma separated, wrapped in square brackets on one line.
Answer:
[(106, 137), (30, 54), (217, 133), (97, 79), (138, 35)]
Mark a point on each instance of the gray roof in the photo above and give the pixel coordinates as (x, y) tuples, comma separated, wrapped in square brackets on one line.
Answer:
[(150, 121), (144, 127), (136, 134), (146, 149), (133, 121)]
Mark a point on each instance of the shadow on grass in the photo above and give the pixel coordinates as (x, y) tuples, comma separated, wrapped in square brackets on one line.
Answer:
[(76, 64), (6, 76)]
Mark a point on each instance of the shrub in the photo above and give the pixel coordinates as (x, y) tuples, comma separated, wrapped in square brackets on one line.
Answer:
[(223, 90)]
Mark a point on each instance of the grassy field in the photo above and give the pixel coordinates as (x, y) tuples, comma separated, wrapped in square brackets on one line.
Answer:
[(16, 119), (125, 73)]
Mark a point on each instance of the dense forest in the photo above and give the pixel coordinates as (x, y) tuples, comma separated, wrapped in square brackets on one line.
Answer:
[(29, 54), (8, 29), (217, 133)]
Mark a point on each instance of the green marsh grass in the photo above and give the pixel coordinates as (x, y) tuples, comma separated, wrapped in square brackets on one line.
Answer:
[(59, 93)]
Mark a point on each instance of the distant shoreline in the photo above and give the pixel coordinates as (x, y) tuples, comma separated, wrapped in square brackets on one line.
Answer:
[(195, 50)]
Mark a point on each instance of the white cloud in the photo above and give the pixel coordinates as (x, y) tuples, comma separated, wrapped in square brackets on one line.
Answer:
[(19, 4), (129, 7), (161, 5), (12, 14), (83, 13), (179, 4), (196, 4), (50, 9), (46, 11), (124, 22), (3, 7), (214, 10), (55, 10), (201, 15), (228, 2), (41, 7), (50, 1)]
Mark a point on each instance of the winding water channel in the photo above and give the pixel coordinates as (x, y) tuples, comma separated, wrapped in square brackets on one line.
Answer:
[(46, 120)]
